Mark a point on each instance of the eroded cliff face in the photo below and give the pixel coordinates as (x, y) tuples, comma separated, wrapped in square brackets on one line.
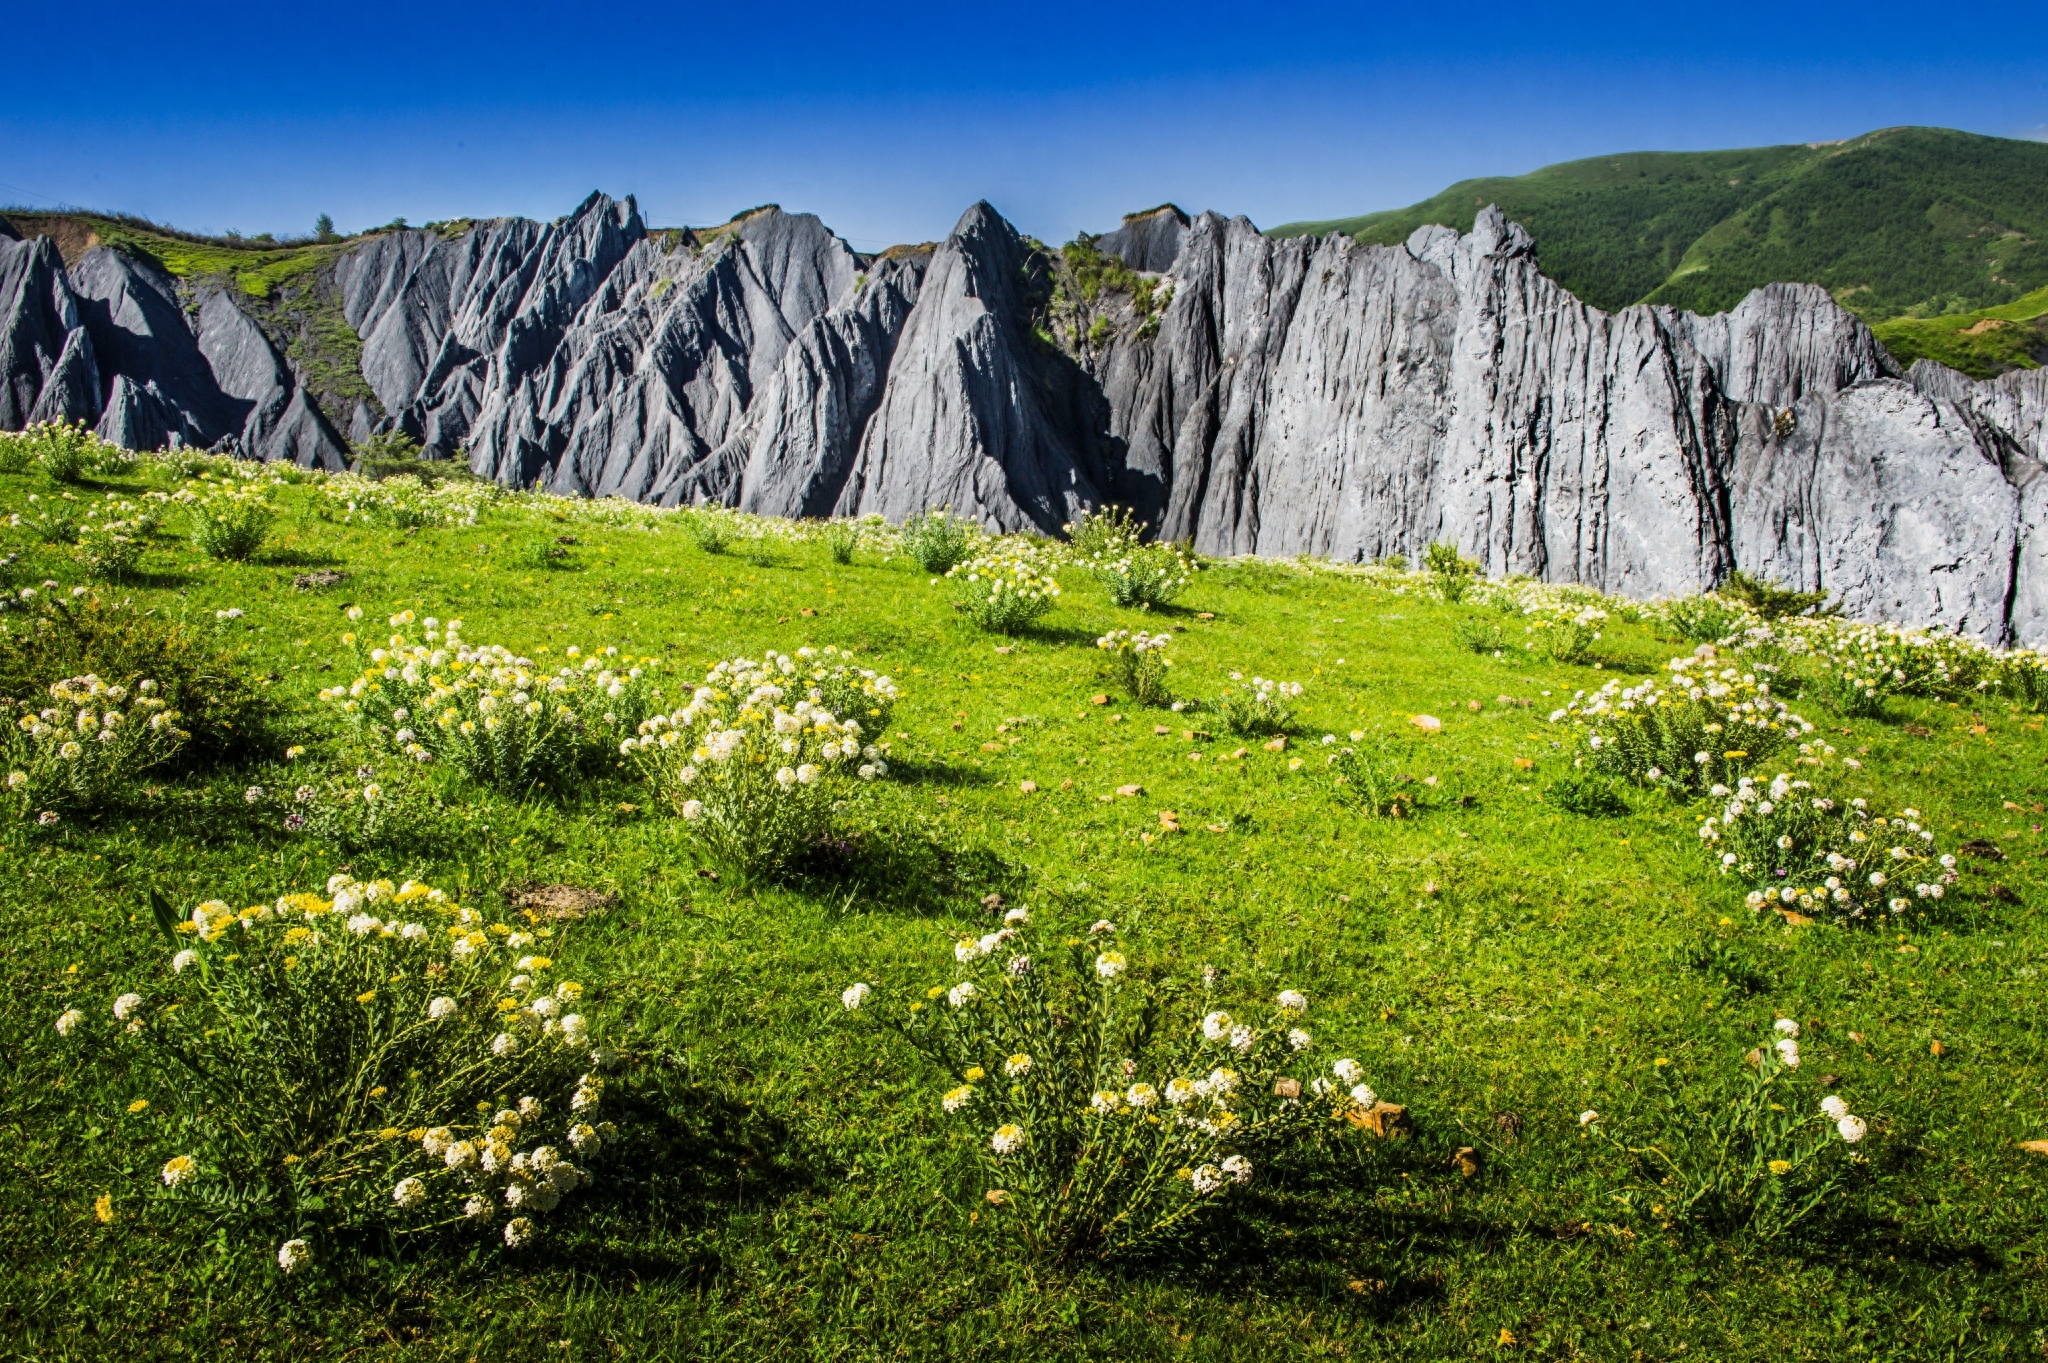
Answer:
[(1269, 397)]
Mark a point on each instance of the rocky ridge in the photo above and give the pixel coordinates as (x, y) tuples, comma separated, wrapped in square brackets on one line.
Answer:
[(1275, 397)]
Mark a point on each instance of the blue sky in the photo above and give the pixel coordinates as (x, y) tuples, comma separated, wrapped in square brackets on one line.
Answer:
[(889, 123)]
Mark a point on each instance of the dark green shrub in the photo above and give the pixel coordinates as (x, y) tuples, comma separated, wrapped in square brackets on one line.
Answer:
[(1582, 792)]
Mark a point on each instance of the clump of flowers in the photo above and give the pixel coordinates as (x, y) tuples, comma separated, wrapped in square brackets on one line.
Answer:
[(375, 1056), (1143, 575), (52, 520), (230, 521), (1258, 706), (407, 501), (755, 768), (1765, 1159), (110, 546), (1702, 725), (1008, 587), (65, 450), (1139, 663), (1855, 669), (1111, 1109), (1811, 851), (1564, 630), (845, 688), (500, 718), (86, 748), (1104, 532), (938, 540)]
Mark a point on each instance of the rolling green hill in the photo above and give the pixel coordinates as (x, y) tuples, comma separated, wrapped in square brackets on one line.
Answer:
[(1905, 223)]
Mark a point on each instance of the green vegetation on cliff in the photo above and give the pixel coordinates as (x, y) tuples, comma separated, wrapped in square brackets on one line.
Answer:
[(1915, 223)]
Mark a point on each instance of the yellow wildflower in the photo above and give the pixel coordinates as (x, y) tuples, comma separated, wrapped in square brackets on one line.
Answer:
[(138, 1105), (103, 1208)]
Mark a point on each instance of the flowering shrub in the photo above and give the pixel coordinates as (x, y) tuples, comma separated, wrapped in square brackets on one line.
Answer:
[(1701, 726), (1802, 849), (65, 450), (842, 538), (1110, 1110), (1258, 706), (845, 688), (1705, 619), (406, 501), (83, 751), (710, 528), (938, 540), (381, 1058), (1566, 631), (497, 717), (1140, 663), (230, 521), (2023, 675), (52, 520), (1105, 532), (1143, 576), (1008, 587), (1450, 572), (756, 783), (1855, 669), (1763, 1161), (1479, 634), (110, 547)]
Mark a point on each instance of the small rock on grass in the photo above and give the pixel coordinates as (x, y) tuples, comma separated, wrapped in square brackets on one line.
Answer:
[(1277, 744), (1130, 790), (559, 902), (1429, 724), (1027, 787)]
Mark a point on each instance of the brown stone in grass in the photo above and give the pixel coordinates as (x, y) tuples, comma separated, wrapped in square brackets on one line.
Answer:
[(1287, 1088), (1385, 1120), (1205, 615), (1098, 700), (1277, 745), (558, 902), (2035, 1147), (326, 577), (1466, 1161), (1128, 791)]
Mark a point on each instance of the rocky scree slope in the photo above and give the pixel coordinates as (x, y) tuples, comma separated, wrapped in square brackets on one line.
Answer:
[(1278, 397)]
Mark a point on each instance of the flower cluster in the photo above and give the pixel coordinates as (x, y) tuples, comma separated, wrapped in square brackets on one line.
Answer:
[(51, 520), (1143, 576), (378, 1055), (228, 520), (110, 545), (83, 750), (1104, 1126), (1805, 850), (1009, 585), (500, 718), (1566, 631), (1258, 706), (1140, 663), (1701, 725), (753, 764), (1764, 1159), (406, 501), (845, 688)]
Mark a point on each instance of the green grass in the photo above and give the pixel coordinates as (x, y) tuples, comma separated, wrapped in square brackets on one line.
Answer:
[(1902, 222), (1982, 344), (1485, 958)]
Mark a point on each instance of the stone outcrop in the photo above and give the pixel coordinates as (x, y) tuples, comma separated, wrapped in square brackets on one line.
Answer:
[(1306, 396)]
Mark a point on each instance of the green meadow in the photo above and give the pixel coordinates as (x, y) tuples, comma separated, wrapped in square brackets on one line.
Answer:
[(790, 1186)]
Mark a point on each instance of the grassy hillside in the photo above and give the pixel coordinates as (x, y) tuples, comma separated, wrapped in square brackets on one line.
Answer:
[(1907, 222), (790, 1186), (1982, 343)]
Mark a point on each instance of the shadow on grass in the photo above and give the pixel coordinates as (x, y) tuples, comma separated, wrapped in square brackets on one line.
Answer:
[(907, 868), (298, 558)]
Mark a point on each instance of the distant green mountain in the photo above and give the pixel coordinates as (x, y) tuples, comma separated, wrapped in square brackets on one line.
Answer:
[(1904, 223)]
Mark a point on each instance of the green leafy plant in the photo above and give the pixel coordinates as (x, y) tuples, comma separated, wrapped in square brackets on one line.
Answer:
[(1105, 532), (1257, 707), (1577, 791), (1139, 663), (757, 784), (842, 538), (1703, 724), (710, 528), (1565, 631), (1366, 774), (496, 717), (1008, 587), (57, 635), (1112, 1109), (89, 748), (1480, 635), (52, 520), (1451, 574), (1808, 849), (1144, 576), (1771, 601), (938, 540), (383, 1058), (1704, 619), (230, 522), (1762, 1160)]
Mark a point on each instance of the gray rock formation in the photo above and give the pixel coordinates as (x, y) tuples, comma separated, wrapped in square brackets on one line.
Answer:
[(1301, 396)]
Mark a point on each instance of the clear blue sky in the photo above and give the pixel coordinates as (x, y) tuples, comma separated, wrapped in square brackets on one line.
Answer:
[(888, 123)]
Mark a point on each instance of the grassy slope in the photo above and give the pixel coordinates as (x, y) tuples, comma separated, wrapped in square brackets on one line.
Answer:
[(1501, 957), (1982, 343), (1909, 221)]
